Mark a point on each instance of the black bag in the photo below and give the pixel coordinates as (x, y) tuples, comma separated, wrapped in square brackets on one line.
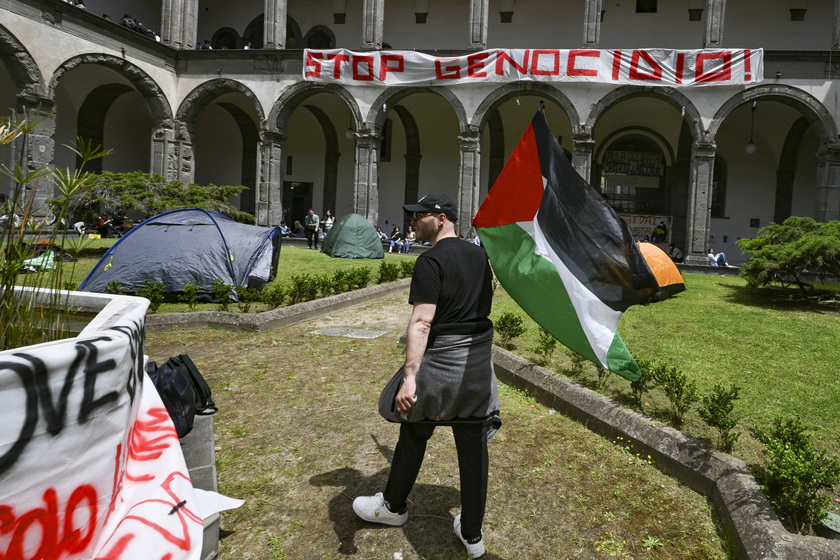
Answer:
[(183, 390)]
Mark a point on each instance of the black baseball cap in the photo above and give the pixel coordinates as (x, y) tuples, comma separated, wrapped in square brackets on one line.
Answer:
[(439, 203)]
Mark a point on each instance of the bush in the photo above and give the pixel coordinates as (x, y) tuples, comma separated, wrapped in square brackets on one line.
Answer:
[(247, 296), (509, 326), (681, 392), (155, 292), (578, 362), (407, 268), (388, 272), (274, 295), (324, 284), (114, 287), (717, 412), (190, 295), (546, 345), (359, 277), (644, 383), (303, 288), (781, 253), (796, 475), (222, 293)]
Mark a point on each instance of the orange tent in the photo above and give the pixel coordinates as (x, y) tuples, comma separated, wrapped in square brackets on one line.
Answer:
[(667, 274)]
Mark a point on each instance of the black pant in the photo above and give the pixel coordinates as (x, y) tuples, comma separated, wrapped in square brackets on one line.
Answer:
[(473, 465), (310, 234)]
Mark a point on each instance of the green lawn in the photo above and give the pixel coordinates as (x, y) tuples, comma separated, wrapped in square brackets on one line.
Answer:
[(783, 354)]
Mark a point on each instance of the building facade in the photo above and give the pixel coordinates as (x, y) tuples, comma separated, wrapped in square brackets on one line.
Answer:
[(724, 160)]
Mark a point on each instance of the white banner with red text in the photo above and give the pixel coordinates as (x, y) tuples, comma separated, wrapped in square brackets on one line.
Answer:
[(90, 464), (646, 67)]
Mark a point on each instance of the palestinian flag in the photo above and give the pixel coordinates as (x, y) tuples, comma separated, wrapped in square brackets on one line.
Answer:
[(561, 252)]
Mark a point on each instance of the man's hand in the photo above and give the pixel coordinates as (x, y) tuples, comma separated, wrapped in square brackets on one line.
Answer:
[(407, 395)]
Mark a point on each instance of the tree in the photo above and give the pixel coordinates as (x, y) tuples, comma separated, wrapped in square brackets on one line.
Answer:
[(152, 194), (782, 252)]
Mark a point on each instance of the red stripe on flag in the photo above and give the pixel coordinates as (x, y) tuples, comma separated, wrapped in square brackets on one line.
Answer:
[(517, 193), (747, 66)]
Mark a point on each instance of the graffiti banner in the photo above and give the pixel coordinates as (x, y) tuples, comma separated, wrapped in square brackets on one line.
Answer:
[(90, 465), (644, 67)]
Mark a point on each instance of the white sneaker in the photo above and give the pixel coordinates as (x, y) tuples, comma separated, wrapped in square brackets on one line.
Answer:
[(474, 550), (375, 510)]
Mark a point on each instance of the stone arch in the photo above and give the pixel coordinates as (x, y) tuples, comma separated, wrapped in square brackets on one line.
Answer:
[(650, 133), (509, 91), (801, 101), (319, 37), (200, 97), (149, 89), (22, 67), (293, 96), (391, 96), (90, 120), (671, 96)]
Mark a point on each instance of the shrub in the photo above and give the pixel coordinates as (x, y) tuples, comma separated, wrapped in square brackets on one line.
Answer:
[(303, 288), (717, 412), (546, 345), (359, 277), (274, 295), (247, 296), (407, 268), (644, 383), (190, 295), (341, 281), (796, 474), (324, 284), (603, 376), (578, 362), (69, 285), (509, 326), (114, 287), (681, 392), (388, 272), (782, 252), (155, 292), (222, 292)]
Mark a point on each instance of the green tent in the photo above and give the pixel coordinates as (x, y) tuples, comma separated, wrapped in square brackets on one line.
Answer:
[(353, 237)]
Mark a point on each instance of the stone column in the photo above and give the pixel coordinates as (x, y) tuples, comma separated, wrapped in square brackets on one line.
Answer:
[(412, 183), (698, 222), (366, 181), (164, 157), (828, 183), (274, 30), (835, 34), (468, 179), (331, 179), (582, 146), (269, 185), (179, 24), (180, 151), (715, 15), (479, 12), (372, 24), (35, 150), (592, 24)]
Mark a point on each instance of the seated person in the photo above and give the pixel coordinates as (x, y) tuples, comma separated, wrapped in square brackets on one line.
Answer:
[(717, 260), (410, 238), (381, 234), (297, 230), (396, 240), (675, 254), (285, 231)]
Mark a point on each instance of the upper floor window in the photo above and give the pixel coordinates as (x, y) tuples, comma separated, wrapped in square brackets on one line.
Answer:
[(646, 6)]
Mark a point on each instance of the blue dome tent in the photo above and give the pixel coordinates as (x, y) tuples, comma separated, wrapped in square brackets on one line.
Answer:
[(189, 245)]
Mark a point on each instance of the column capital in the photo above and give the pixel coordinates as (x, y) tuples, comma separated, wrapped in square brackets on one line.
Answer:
[(829, 152)]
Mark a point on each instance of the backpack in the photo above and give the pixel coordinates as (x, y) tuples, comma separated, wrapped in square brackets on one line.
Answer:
[(183, 390)]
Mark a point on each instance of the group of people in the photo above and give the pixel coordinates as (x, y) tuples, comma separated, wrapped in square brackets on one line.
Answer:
[(399, 240), (136, 25), (715, 259), (78, 3), (313, 228)]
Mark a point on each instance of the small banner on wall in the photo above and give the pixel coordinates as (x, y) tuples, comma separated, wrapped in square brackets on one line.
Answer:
[(646, 227), (647, 67)]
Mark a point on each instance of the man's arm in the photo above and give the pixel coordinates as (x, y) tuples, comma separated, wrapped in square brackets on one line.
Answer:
[(416, 337)]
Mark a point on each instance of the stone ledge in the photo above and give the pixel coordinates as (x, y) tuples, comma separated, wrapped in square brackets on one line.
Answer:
[(727, 481), (276, 318)]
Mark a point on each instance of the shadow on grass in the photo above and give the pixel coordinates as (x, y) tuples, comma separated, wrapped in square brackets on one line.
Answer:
[(786, 299), (429, 527)]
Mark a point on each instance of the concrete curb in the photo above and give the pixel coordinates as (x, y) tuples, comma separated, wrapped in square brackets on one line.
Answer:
[(276, 318), (727, 481)]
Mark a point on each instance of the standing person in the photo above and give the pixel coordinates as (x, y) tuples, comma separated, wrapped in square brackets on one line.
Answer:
[(310, 222), (327, 222), (448, 376)]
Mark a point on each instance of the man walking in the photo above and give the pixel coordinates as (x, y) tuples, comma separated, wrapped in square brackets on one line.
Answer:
[(310, 223), (448, 377)]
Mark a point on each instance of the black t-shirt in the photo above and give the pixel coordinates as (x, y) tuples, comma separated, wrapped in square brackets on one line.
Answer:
[(455, 275)]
